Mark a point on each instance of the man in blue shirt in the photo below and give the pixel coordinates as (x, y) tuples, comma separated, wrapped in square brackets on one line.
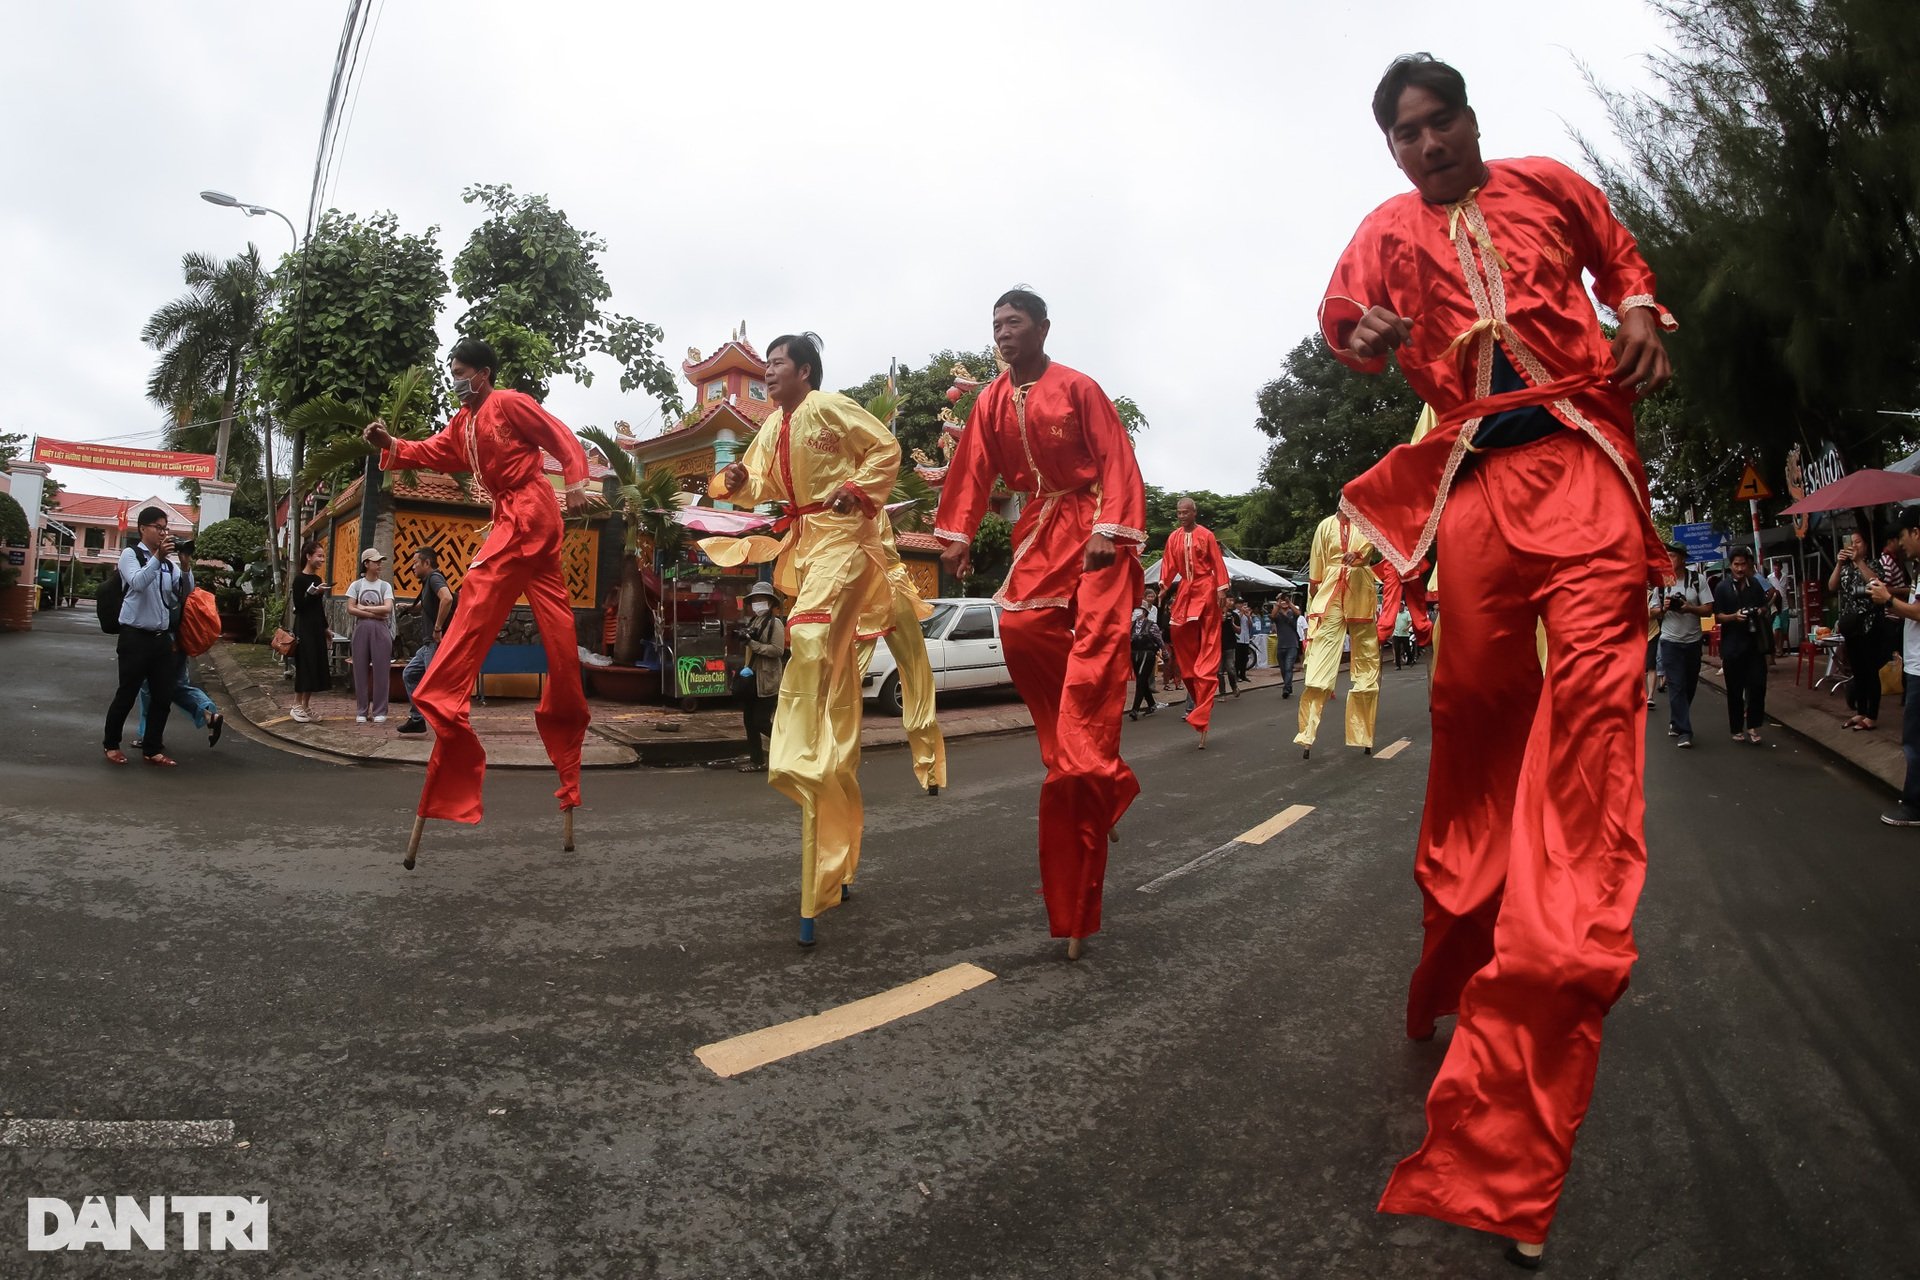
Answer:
[(156, 586)]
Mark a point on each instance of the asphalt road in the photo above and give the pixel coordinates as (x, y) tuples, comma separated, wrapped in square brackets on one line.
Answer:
[(1218, 1089)]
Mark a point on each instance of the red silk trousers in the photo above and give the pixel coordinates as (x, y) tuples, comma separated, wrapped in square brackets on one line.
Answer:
[(1196, 650), (528, 566), (1392, 588), (1532, 846), (1071, 668)]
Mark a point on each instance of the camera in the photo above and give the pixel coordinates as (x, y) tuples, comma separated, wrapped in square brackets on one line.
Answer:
[(183, 547)]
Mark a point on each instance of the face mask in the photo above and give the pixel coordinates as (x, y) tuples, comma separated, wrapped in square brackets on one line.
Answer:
[(463, 387), (760, 607)]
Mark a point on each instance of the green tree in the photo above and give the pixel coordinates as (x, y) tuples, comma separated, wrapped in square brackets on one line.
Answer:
[(1773, 181), (204, 338), (534, 285), (992, 556), (922, 395), (1328, 424)]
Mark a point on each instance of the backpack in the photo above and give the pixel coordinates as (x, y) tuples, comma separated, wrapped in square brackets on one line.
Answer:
[(199, 622), (113, 594)]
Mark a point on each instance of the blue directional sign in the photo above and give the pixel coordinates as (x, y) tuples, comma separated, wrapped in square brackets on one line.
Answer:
[(1702, 541)]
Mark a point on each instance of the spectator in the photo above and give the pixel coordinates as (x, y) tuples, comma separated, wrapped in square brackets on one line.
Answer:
[(1287, 623), (1147, 641), (1655, 605), (1854, 569), (1243, 641), (187, 696), (313, 638), (765, 637), (1169, 665), (1907, 533), (370, 605), (155, 588), (1402, 638), (1681, 640), (435, 607), (1740, 607), (1230, 648)]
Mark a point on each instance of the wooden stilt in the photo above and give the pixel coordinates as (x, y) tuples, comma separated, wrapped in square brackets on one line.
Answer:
[(413, 841), (1073, 948), (1203, 739), (933, 789), (566, 821)]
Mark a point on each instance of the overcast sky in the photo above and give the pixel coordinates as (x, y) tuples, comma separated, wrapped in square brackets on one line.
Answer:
[(1175, 179)]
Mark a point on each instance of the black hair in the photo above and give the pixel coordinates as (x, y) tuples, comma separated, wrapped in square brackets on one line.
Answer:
[(476, 353), (1416, 71), (803, 349), (1740, 553), (1674, 548), (426, 551), (151, 515), (307, 549), (1024, 299)]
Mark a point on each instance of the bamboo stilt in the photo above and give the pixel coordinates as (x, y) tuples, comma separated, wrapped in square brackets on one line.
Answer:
[(413, 841), (566, 819)]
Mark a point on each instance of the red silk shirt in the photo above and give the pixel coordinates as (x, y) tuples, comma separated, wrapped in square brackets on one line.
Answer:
[(1059, 441), (500, 446), (1195, 558), (1501, 266)]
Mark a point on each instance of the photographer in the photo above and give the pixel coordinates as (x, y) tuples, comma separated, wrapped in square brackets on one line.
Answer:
[(155, 587), (1681, 639), (1897, 602), (1740, 607), (765, 636), (1859, 625)]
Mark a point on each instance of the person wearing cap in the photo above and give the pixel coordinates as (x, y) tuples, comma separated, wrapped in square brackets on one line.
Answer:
[(1903, 606), (370, 605), (766, 643)]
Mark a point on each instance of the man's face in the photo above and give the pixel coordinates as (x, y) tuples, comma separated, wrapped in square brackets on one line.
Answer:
[(1910, 543), (152, 533), (785, 379), (1436, 146), (1741, 568), (1187, 513), (1679, 564), (482, 379), (1020, 341), (422, 567)]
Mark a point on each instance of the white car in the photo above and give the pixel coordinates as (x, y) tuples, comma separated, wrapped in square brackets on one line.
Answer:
[(963, 647)]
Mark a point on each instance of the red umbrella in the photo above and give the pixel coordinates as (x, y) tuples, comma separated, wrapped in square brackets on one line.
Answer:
[(1869, 488)]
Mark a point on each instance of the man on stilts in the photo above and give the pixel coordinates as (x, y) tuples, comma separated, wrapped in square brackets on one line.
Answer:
[(1053, 435), (497, 437), (1200, 594), (1341, 602), (834, 465), (1532, 843)]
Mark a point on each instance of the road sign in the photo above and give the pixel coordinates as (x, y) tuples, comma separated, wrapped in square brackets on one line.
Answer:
[(1702, 541), (1752, 487)]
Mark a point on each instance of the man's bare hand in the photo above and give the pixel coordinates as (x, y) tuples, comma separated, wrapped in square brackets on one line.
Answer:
[(733, 476), (377, 435), (1100, 552), (1378, 332), (578, 499), (1879, 592), (1640, 362), (845, 499), (957, 559)]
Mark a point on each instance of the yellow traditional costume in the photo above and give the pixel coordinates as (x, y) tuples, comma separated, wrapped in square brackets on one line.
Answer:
[(908, 644), (1345, 599), (834, 568)]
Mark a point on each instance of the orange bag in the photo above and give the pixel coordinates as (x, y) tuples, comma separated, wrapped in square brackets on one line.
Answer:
[(199, 622)]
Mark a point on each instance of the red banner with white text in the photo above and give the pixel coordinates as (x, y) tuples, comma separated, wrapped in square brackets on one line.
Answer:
[(110, 457)]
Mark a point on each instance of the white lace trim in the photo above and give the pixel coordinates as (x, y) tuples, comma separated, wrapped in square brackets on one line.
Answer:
[(1120, 531), (948, 535)]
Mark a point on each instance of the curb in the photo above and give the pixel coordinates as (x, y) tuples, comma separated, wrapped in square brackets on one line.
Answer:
[(1829, 749)]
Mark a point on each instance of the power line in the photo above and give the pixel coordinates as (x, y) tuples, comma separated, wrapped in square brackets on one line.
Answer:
[(353, 107)]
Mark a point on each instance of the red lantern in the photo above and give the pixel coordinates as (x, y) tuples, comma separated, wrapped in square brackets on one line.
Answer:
[(954, 394)]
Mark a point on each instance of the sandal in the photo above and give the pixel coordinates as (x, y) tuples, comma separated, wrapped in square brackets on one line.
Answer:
[(215, 723), (115, 755), (161, 760)]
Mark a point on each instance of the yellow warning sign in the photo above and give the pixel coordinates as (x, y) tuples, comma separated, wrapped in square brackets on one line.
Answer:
[(1752, 487)]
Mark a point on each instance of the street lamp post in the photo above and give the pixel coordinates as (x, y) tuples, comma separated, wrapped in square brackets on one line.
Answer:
[(226, 201)]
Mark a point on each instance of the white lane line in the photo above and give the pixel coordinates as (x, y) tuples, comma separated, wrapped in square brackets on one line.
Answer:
[(770, 1044), (82, 1134), (1388, 753), (1259, 835)]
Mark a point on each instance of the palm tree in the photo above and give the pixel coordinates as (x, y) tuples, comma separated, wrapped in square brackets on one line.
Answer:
[(334, 425), (204, 338), (647, 504)]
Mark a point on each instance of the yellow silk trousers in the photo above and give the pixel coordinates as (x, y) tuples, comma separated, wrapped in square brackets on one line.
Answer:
[(814, 754), (1323, 667), (908, 644)]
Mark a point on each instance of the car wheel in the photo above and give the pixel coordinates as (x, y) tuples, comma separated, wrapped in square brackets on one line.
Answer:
[(890, 700)]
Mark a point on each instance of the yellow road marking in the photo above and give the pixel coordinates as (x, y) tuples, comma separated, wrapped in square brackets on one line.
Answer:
[(770, 1044), (1388, 753), (1275, 825)]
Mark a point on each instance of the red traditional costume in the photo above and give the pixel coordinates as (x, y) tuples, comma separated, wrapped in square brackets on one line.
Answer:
[(1195, 557), (1532, 847), (500, 444), (1059, 441)]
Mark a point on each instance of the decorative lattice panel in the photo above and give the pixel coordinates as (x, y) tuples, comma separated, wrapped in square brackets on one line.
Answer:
[(456, 539), (926, 577), (345, 564)]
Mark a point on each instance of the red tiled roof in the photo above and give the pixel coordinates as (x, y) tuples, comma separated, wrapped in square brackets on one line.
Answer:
[(697, 371), (95, 506), (918, 542), (752, 412)]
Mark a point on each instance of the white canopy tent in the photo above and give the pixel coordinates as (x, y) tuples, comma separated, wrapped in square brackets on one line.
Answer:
[(1245, 573)]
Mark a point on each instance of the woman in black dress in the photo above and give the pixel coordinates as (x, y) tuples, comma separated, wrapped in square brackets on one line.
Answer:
[(312, 654)]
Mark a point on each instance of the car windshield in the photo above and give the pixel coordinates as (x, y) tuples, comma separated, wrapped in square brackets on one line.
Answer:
[(931, 626)]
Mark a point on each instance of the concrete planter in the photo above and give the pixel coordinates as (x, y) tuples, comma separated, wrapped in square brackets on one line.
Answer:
[(16, 607)]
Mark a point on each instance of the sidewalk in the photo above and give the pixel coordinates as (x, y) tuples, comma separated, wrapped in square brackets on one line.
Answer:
[(622, 734), (1814, 715)]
